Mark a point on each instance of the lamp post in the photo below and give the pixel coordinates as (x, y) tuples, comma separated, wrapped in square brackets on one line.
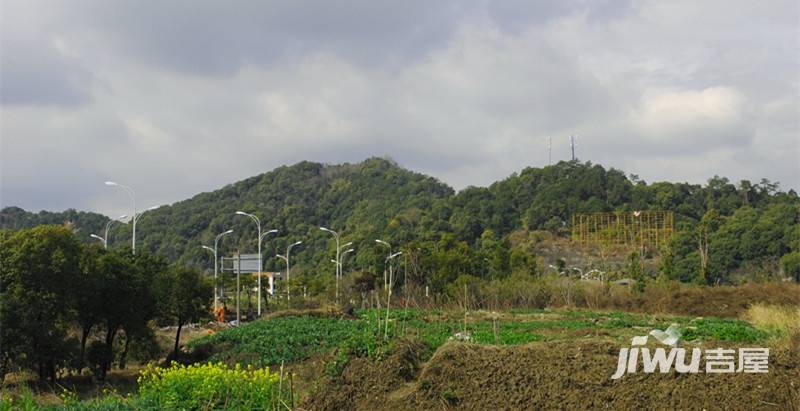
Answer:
[(216, 266), (139, 215), (261, 267), (389, 292), (340, 267), (258, 224), (336, 236), (385, 284), (104, 239), (341, 263), (132, 194), (389, 262), (338, 257), (288, 267)]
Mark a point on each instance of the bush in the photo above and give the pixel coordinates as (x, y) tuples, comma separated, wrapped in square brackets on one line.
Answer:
[(790, 264), (97, 355), (521, 290), (212, 386)]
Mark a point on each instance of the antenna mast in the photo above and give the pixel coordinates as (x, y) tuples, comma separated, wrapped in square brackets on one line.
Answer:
[(572, 146)]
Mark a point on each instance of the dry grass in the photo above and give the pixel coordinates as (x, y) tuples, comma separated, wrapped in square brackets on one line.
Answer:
[(782, 320)]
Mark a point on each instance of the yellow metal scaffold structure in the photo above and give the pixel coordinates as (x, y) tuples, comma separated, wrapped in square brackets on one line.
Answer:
[(650, 229)]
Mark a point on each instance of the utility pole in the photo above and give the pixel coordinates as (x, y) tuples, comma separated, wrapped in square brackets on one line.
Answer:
[(549, 150)]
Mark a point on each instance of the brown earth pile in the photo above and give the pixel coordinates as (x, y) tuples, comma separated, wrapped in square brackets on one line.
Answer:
[(722, 301), (551, 376), (367, 384), (564, 376)]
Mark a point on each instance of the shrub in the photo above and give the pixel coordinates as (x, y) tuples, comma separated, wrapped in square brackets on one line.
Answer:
[(790, 264), (212, 386), (781, 321)]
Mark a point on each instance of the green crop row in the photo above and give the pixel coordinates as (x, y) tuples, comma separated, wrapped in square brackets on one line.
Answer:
[(286, 339)]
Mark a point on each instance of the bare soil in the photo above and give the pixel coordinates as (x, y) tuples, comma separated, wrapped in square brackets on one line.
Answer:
[(547, 376)]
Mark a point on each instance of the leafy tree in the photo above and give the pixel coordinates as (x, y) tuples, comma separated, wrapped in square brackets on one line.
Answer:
[(636, 271), (449, 259), (363, 284), (183, 295), (709, 224), (85, 298), (790, 264), (39, 267)]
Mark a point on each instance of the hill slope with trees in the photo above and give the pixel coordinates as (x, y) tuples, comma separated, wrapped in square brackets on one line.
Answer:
[(451, 234)]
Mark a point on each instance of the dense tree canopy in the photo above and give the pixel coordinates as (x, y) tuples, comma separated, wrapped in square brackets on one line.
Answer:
[(51, 284), (754, 222)]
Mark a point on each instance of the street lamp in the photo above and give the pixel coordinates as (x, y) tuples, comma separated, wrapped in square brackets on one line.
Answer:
[(389, 262), (389, 292), (341, 263), (338, 257), (108, 224), (288, 267), (385, 284), (104, 239), (336, 236), (260, 266), (132, 194), (340, 267), (216, 266)]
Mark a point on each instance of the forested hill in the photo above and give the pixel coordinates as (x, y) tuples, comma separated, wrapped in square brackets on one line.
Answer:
[(81, 222), (378, 199)]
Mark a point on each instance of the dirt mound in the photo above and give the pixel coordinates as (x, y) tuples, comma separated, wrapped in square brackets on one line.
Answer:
[(367, 384), (564, 376), (724, 301), (545, 376)]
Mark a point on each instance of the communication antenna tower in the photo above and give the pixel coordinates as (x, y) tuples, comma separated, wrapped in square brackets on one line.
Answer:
[(572, 145)]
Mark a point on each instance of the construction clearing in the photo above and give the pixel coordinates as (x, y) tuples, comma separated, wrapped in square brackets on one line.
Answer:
[(647, 230)]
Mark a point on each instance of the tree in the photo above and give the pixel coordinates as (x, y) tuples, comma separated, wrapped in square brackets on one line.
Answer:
[(88, 287), (636, 271), (790, 264), (39, 267), (363, 283), (709, 223), (184, 295), (117, 287), (449, 259)]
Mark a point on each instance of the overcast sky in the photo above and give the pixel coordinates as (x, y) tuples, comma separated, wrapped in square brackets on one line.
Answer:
[(178, 97)]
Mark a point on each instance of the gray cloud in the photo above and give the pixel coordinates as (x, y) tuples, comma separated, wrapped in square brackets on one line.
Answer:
[(216, 39), (183, 97), (35, 68)]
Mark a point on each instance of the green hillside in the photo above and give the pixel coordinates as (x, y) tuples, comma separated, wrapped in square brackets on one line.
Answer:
[(452, 233)]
